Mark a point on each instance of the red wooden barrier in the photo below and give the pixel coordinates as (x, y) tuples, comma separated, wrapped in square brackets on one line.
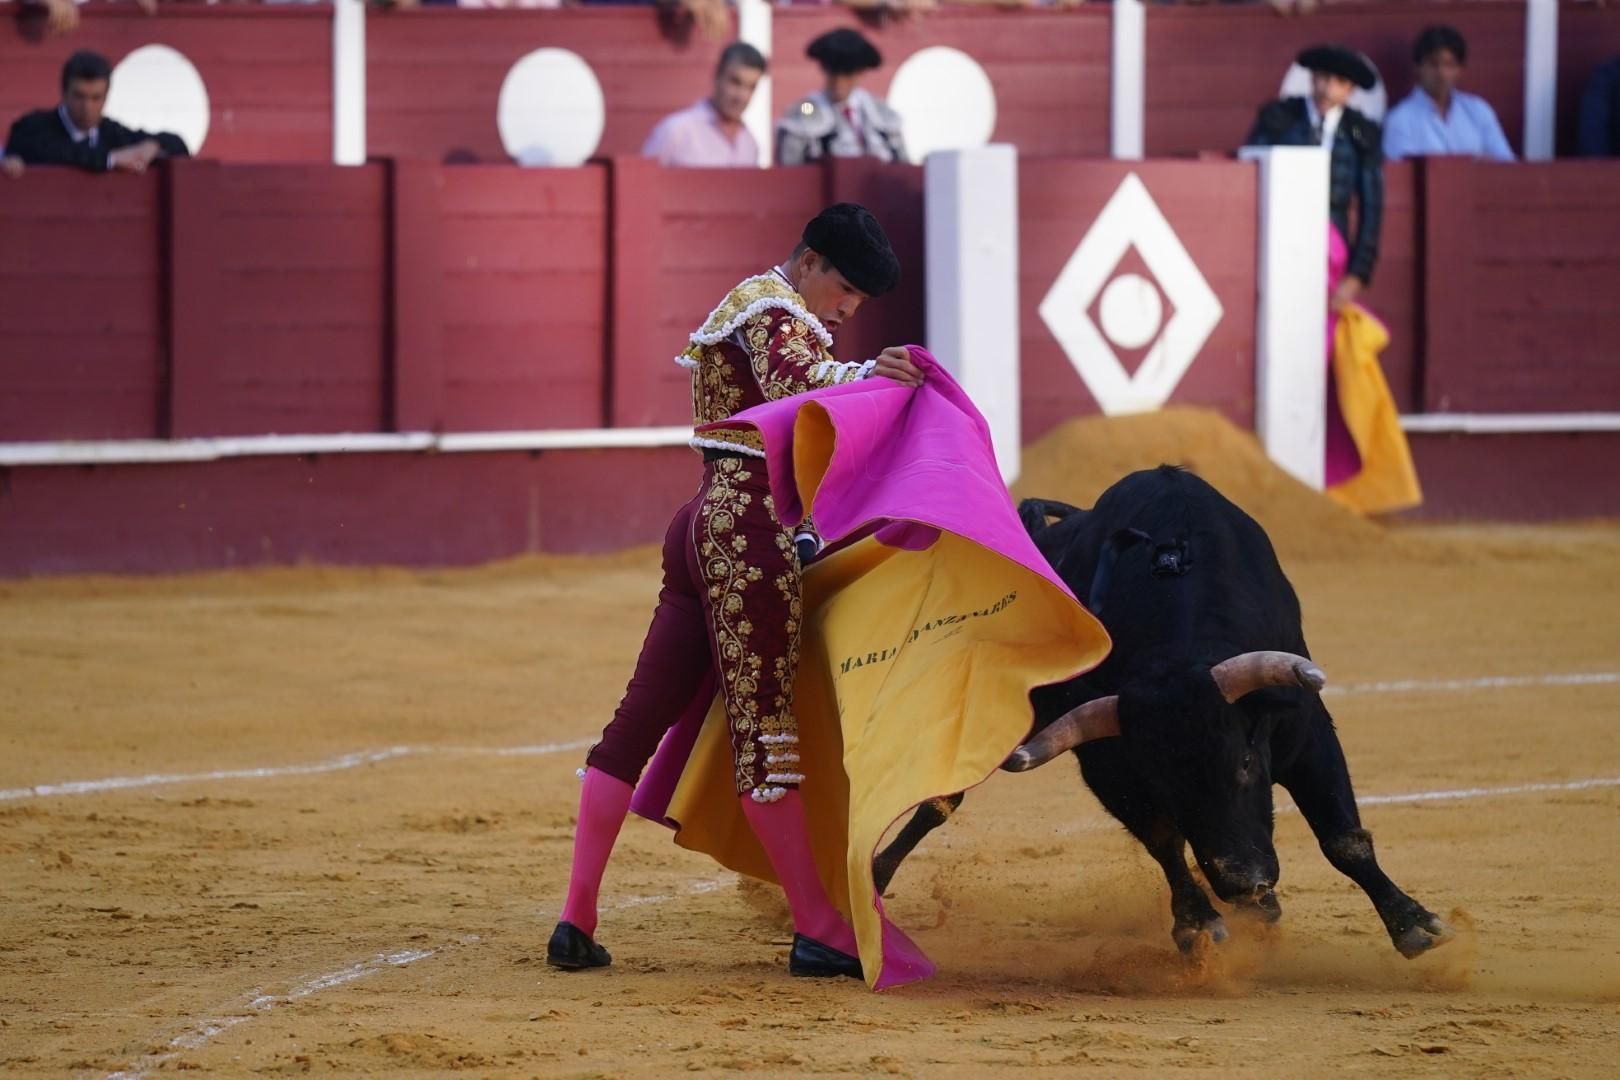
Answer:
[(1210, 206), (1519, 293), (276, 299), (267, 68), (521, 283), (1588, 35), (1210, 68), (494, 271), (81, 328), (434, 76), (1050, 69)]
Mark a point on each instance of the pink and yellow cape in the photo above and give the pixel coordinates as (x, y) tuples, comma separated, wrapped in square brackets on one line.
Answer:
[(926, 624)]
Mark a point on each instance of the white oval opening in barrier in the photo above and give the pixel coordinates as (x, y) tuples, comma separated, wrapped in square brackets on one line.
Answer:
[(1130, 311), (155, 88), (551, 110), (945, 102)]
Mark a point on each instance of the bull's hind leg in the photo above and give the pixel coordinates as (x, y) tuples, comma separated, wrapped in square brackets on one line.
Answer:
[(1319, 781), (929, 816)]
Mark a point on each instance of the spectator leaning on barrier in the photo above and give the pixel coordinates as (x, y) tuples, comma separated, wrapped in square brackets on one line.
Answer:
[(1356, 170), (75, 132), (842, 119), (711, 133), (1436, 117)]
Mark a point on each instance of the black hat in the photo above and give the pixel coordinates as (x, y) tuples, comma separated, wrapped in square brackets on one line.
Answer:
[(1339, 60), (844, 52), (851, 237)]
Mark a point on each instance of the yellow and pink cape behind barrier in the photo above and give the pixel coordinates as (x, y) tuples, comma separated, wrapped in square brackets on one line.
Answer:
[(926, 624)]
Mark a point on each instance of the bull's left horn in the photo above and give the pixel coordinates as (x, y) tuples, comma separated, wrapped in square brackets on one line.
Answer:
[(1094, 720), (1250, 671)]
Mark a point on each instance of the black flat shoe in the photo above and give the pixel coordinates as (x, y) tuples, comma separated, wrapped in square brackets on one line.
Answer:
[(573, 950), (814, 960)]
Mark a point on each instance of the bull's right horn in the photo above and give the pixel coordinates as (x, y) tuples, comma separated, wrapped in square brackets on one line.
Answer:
[(1247, 672), (1094, 720)]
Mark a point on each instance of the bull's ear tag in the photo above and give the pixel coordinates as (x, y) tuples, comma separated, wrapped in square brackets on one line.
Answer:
[(1171, 560)]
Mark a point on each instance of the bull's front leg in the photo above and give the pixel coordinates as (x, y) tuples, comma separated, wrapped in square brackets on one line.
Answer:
[(1189, 903), (1319, 781), (929, 816)]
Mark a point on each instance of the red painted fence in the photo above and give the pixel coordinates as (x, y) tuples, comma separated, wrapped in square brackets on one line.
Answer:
[(434, 75), (212, 299)]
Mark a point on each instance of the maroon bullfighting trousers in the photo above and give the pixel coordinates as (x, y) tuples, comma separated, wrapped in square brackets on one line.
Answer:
[(729, 605)]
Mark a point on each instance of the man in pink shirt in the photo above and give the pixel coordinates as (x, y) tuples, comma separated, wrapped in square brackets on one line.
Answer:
[(710, 133)]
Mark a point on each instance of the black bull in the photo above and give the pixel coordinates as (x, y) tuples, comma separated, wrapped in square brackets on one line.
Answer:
[(1207, 699)]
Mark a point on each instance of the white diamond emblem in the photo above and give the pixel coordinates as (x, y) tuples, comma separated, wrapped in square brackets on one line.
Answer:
[(1131, 219)]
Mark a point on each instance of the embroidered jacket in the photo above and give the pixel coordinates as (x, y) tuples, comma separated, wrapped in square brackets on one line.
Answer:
[(761, 344)]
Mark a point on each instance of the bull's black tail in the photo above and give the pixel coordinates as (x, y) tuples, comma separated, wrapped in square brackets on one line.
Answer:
[(1038, 514)]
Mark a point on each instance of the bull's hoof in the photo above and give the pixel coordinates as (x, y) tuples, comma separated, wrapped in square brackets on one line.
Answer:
[(1263, 906), (1429, 933), (1187, 935)]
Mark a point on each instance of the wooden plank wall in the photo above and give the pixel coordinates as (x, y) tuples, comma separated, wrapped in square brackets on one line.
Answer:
[(1050, 69), (434, 75), (211, 299), (522, 283), (268, 70), (276, 300), (81, 315), (1210, 205), (1522, 265), (1210, 68)]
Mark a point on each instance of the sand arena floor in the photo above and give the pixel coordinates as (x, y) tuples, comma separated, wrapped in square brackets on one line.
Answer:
[(367, 881)]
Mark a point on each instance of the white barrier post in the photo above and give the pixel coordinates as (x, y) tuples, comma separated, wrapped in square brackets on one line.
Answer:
[(349, 82), (1128, 80), (971, 200), (1540, 79), (754, 27), (1291, 328)]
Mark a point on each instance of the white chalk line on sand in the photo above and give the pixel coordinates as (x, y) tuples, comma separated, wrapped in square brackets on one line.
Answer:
[(1494, 682), (371, 757), (204, 1031), (200, 1033), (314, 768)]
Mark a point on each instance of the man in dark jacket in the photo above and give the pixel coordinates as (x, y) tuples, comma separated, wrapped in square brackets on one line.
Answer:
[(75, 132), (1357, 170)]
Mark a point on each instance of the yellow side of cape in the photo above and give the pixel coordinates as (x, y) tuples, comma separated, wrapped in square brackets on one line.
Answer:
[(1387, 480), (914, 677)]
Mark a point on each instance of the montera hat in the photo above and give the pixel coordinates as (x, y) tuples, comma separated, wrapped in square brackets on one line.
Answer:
[(844, 52), (851, 237), (1340, 60)]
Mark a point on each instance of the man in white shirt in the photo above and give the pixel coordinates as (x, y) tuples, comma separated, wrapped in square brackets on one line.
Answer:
[(710, 133), (1436, 118)]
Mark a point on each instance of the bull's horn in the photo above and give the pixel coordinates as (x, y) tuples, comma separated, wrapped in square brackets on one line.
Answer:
[(1094, 720), (1250, 671)]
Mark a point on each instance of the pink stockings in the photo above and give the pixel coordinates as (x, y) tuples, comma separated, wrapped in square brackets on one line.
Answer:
[(780, 827), (603, 802)]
